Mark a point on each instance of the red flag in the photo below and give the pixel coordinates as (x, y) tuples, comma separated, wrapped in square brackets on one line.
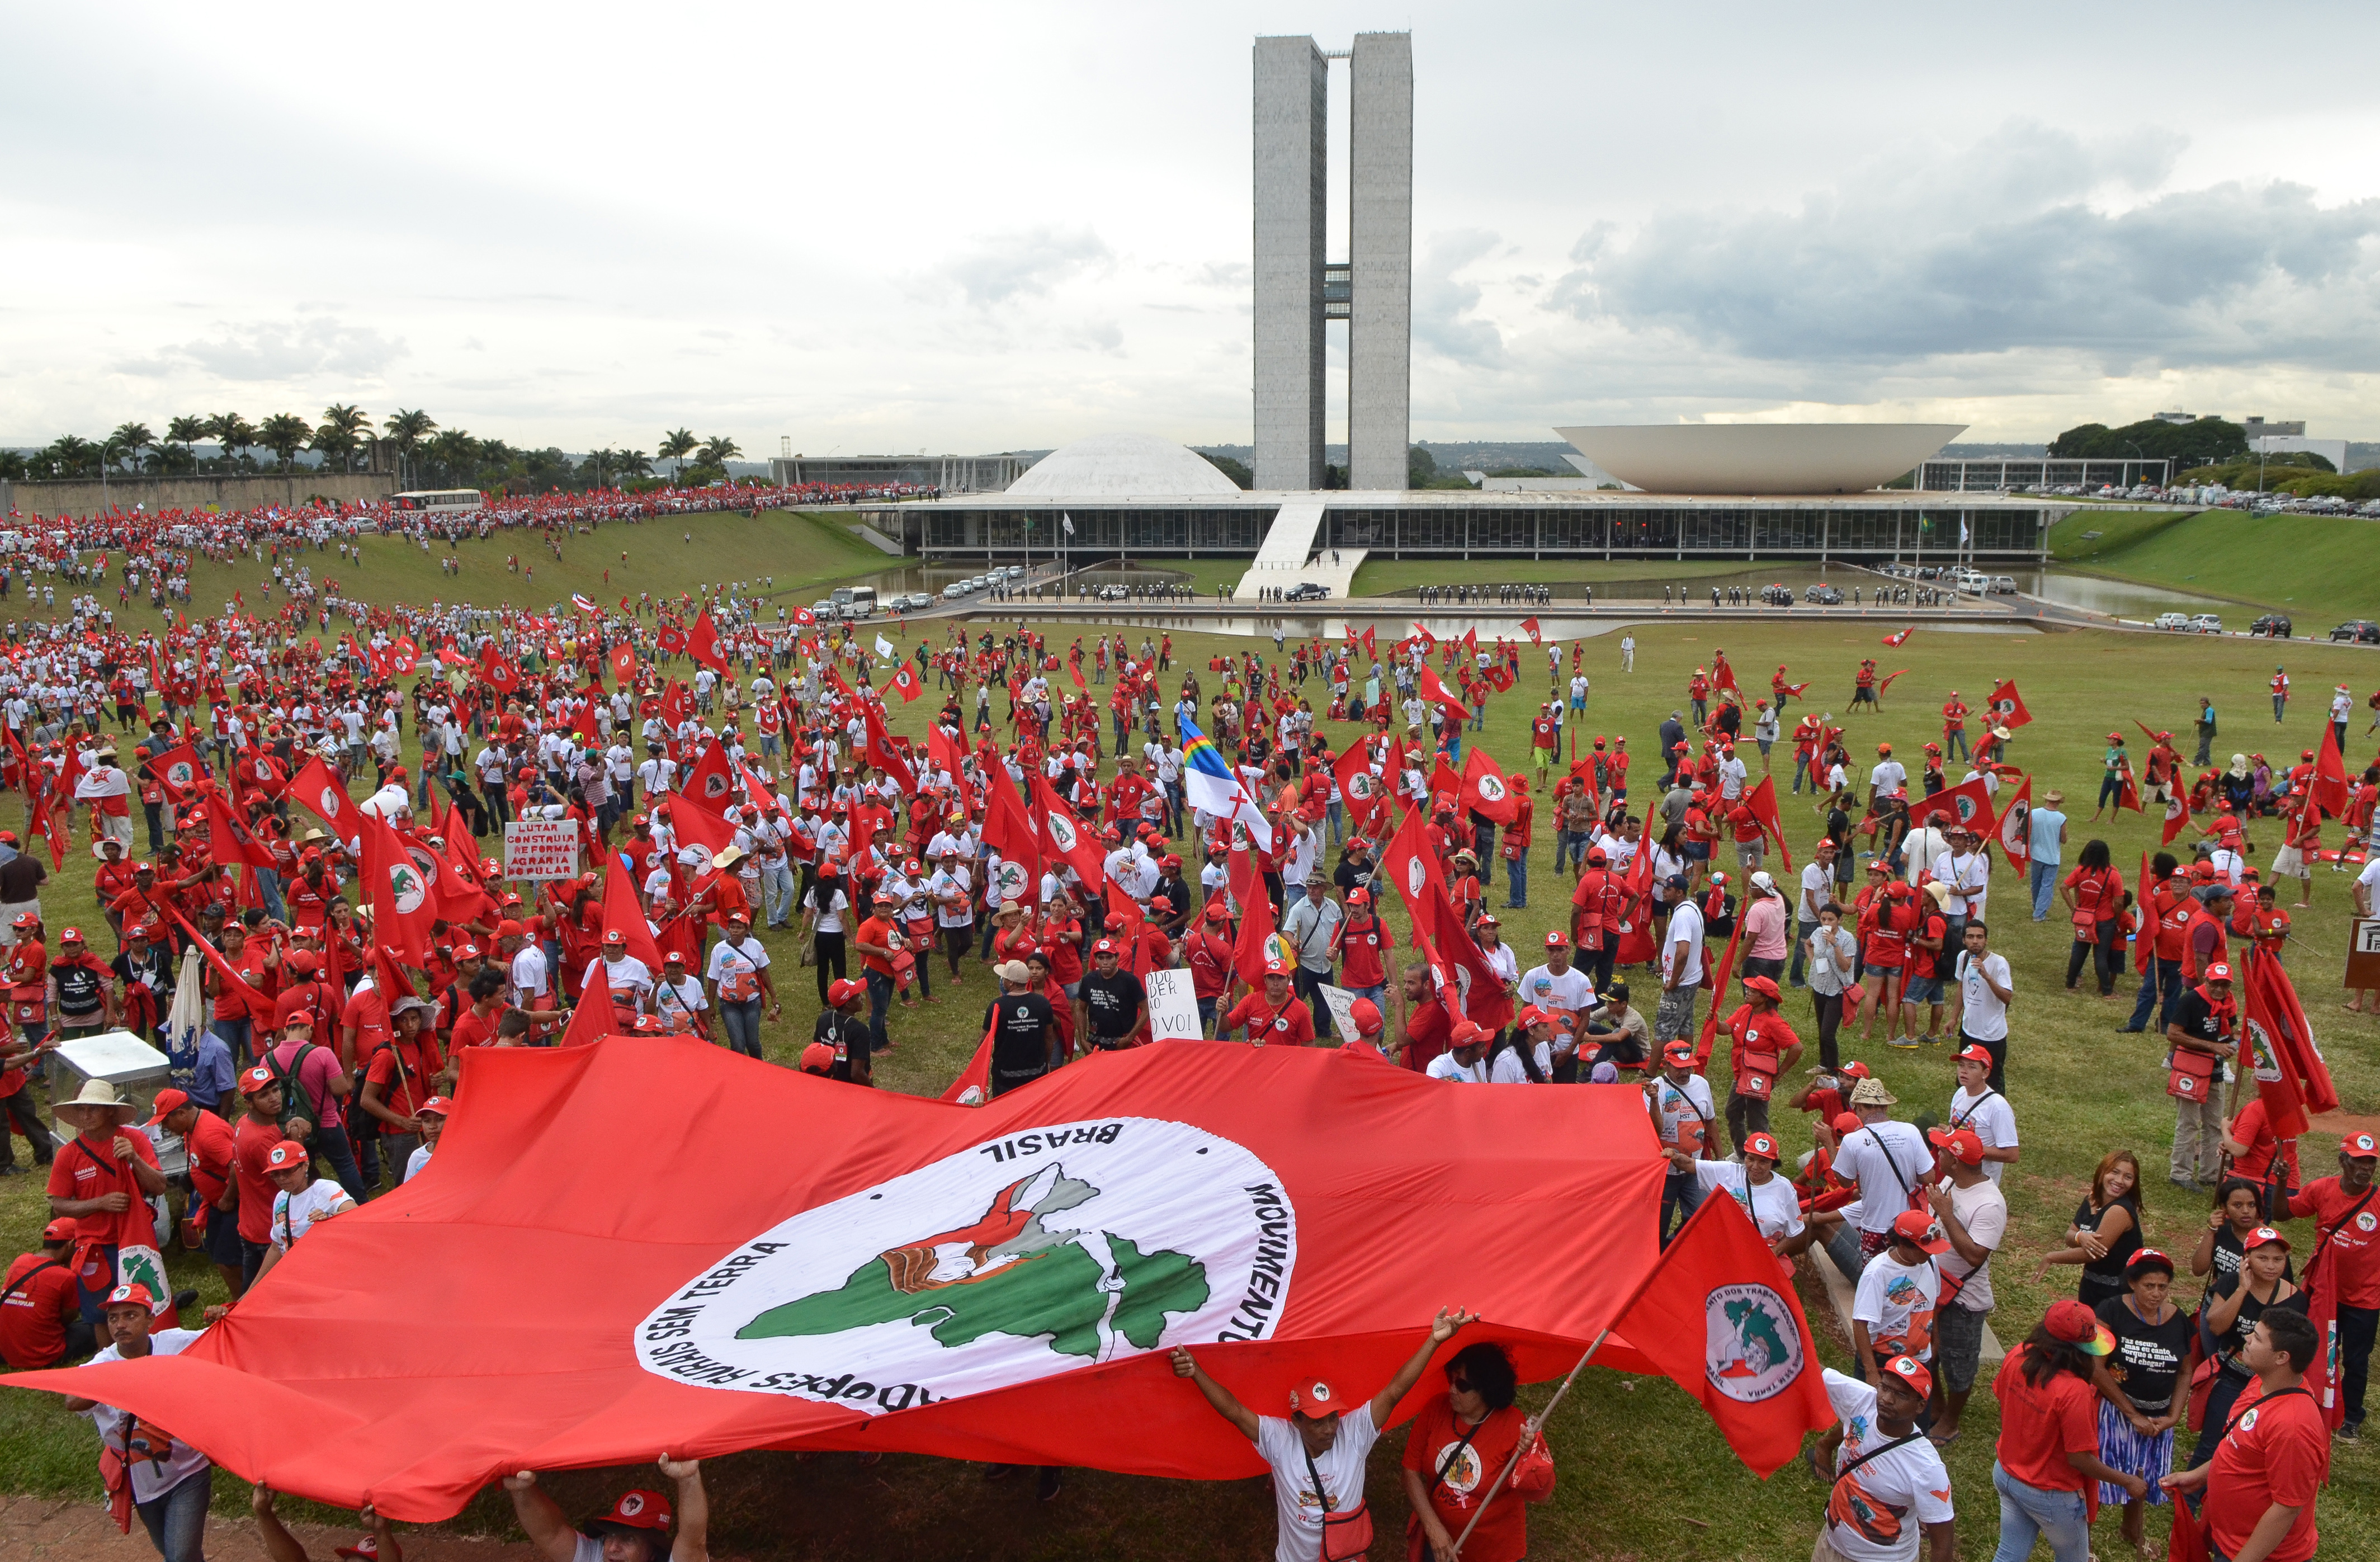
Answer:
[(2328, 784), (227, 978), (703, 642), (2176, 811), (502, 675), (904, 683), (1720, 977), (1886, 682), (1368, 648), (593, 1018), (1008, 830), (230, 841), (710, 780), (1076, 669), (973, 1087), (623, 664), (881, 752), (744, 1313), (1898, 639), (2015, 828), (1254, 945), (1366, 799), (322, 794), (2007, 706), (1530, 625), (2129, 792), (1762, 800), (1968, 803), (1421, 632), (623, 914), (177, 771), (1719, 1317), (1485, 789), (2284, 1041), (698, 826), (671, 640), (678, 703), (1435, 693), (403, 914), (1063, 835)]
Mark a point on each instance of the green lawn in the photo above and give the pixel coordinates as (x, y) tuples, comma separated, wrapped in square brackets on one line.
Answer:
[(2319, 569), (800, 551), (2080, 1091)]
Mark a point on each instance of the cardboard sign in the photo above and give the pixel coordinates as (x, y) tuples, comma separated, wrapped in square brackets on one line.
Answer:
[(1172, 1007), (540, 848), (1342, 1010), (2363, 952)]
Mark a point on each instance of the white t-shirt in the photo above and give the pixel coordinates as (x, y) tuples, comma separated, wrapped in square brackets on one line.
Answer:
[(1982, 1210), (1909, 1481), (151, 1480), (1573, 990), (293, 1216), (528, 972), (737, 970), (1445, 1067), (1817, 888), (1895, 1301), (1774, 1207), (1297, 1507), (1870, 1159), (415, 1162), (1888, 777), (1993, 1119), (1685, 927), (1982, 1015), (678, 1002), (628, 977), (1507, 1070)]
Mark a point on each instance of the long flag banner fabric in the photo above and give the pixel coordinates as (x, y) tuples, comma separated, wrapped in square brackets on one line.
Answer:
[(1001, 1283)]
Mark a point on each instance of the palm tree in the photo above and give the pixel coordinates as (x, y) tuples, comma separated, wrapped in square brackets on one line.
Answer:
[(675, 447), (285, 433), (186, 432), (69, 456), (406, 431), (453, 453), (631, 464), (718, 450), (233, 433), (127, 443), (346, 427)]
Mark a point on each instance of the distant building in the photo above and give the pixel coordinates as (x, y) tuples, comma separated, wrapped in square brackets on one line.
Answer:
[(1955, 476), (952, 474), (2331, 450), (2176, 417), (2256, 428)]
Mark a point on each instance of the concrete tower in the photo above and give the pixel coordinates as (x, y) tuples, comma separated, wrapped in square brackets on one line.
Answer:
[(1297, 287), (1293, 89)]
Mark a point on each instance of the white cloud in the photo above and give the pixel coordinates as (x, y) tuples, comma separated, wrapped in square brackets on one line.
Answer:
[(280, 350), (999, 267)]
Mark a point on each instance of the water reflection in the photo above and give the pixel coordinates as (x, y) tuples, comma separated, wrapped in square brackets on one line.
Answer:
[(2123, 599)]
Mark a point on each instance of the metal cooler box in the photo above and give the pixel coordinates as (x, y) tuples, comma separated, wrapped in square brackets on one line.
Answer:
[(134, 1068)]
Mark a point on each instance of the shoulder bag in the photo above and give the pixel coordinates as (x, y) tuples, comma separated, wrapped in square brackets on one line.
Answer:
[(1346, 1535)]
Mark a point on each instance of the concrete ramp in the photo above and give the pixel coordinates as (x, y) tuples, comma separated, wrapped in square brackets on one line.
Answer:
[(1286, 559)]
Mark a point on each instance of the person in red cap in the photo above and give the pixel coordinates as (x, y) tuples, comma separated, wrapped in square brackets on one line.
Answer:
[(1679, 1099), (164, 1480), (1975, 1105), (1369, 1028), (1465, 1060), (102, 1179), (301, 1200), (2345, 1262), (1881, 1472), (1276, 1017), (214, 1184), (2143, 1395), (2271, 1458), (41, 1317), (1765, 1050), (2048, 1447), (642, 1526), (817, 1058), (841, 1029), (377, 1544), (432, 1116), (1892, 1311), (2204, 1033), (1753, 1182), (1973, 1218), (1317, 1451), (1208, 952), (83, 989)]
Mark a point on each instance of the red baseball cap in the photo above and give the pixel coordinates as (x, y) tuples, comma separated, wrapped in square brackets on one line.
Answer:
[(1678, 1052), (1911, 1373), (1964, 1145), (1917, 1227), (842, 990), (2074, 1323), (1763, 985), (616, 939), (1975, 1052), (636, 1511), (1466, 1035), (1762, 1145), (284, 1155), (1273, 966), (1108, 947), (1853, 1069), (256, 1079), (169, 1101), (1315, 1398), (816, 1059), (62, 1229), (437, 1106), (2218, 971), (1364, 1012), (134, 1295), (2358, 1146), (1217, 911), (2260, 1238), (1847, 1122), (1557, 939)]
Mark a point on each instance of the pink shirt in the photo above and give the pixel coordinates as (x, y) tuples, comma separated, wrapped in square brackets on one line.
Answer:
[(1764, 928)]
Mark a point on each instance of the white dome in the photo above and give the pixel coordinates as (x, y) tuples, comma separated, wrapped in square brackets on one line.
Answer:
[(1121, 466)]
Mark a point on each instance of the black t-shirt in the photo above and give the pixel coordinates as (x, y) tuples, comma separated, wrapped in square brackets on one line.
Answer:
[(853, 1059), (78, 983), (2146, 1363), (1347, 876), (158, 968), (2234, 1339), (2229, 1255), (1020, 1026), (2119, 1251), (21, 878), (1111, 1005), (2196, 1017)]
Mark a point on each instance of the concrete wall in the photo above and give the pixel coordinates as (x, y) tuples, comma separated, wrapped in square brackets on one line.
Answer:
[(155, 493), (1292, 85), (1380, 334)]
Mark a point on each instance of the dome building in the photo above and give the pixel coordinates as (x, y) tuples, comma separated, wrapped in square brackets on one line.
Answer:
[(1121, 466)]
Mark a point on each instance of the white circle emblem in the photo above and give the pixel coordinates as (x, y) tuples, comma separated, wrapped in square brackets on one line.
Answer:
[(999, 1264), (1752, 1348), (1493, 789), (1062, 832), (1414, 876), (332, 803)]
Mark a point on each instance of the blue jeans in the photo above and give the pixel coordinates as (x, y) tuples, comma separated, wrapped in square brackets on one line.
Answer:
[(267, 884), (177, 1522), (879, 1001), (1516, 875), (2029, 1514), (2163, 979), (236, 1034), (1682, 1192), (742, 1023), (1801, 768), (331, 1146), (2045, 886), (1954, 743), (1802, 931), (777, 891)]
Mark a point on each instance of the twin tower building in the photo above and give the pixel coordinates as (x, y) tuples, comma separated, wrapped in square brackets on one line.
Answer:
[(1298, 286)]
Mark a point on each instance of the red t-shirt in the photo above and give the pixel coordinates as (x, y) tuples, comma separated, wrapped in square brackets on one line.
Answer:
[(367, 1010), (1427, 1030), (403, 1094), (473, 1028), (2354, 1259), (1209, 957), (2040, 1426), (2276, 1453), (85, 1169), (210, 1150), (2254, 1129), (1457, 1475), (33, 1320), (1291, 1025), (1359, 950), (253, 1142), (876, 931)]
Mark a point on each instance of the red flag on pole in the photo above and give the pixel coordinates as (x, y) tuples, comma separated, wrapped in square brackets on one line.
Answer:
[(973, 1087), (623, 664), (623, 914), (703, 642), (1485, 789), (905, 684), (1435, 693), (1898, 638), (1762, 800), (2176, 811), (2284, 1041), (2016, 827), (1886, 682), (1968, 803), (1530, 625), (1063, 835), (322, 794), (1008, 830), (2007, 706), (593, 1018), (402, 915), (2328, 784), (1366, 799), (1718, 1316)]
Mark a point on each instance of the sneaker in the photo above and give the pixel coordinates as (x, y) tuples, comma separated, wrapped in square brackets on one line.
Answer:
[(2130, 1029), (1900, 1043), (2349, 1432), (2184, 1182)]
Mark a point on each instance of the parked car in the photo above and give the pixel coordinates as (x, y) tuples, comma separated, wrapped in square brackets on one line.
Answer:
[(2170, 621), (825, 608), (2360, 631), (2004, 585), (1777, 595), (2206, 624), (2274, 626), (1308, 590), (1823, 595), (1014, 572)]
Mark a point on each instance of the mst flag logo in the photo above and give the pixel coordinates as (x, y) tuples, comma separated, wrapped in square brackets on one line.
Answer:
[(1755, 1348), (1005, 1263)]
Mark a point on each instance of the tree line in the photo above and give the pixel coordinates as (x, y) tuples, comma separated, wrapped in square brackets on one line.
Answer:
[(425, 454)]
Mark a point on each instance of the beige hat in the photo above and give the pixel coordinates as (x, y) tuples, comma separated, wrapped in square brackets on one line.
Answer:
[(2053, 797), (1939, 891), (1012, 970), (1871, 1093), (99, 1092)]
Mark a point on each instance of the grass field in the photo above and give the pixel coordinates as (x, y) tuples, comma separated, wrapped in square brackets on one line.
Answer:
[(2079, 1090), (2319, 569), (800, 551)]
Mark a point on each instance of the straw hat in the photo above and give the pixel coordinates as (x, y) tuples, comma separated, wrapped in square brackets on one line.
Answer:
[(99, 1092), (1871, 1093)]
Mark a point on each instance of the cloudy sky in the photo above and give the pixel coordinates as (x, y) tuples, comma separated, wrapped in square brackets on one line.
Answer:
[(961, 228)]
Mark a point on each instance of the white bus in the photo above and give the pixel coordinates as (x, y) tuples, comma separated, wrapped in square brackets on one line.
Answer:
[(439, 501)]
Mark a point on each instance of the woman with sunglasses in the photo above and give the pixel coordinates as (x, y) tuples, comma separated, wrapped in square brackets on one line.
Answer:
[(2142, 1395), (1459, 1443)]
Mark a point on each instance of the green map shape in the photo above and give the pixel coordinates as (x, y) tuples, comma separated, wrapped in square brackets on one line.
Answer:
[(1756, 1326), (1054, 1292)]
